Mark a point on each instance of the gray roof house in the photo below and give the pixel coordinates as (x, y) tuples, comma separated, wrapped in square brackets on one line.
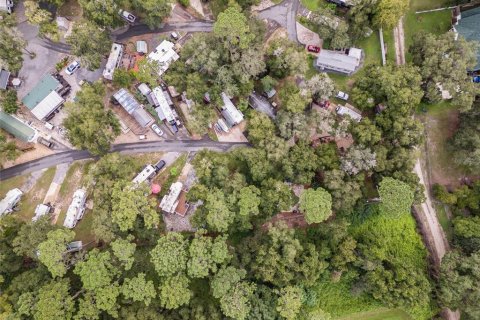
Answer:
[(468, 26), (232, 115), (340, 62), (133, 107)]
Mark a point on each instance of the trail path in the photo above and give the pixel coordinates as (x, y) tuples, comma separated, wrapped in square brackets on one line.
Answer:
[(399, 36)]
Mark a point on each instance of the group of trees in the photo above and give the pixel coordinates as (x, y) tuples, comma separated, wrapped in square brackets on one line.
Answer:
[(11, 42), (89, 125)]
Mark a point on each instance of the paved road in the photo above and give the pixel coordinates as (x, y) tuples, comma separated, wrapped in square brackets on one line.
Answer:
[(140, 29), (128, 148), (285, 14)]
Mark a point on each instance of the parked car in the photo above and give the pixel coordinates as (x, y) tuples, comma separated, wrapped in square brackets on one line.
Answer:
[(342, 95), (45, 142), (127, 16), (72, 67), (476, 79), (142, 137), (312, 48), (174, 35), (157, 130), (159, 165)]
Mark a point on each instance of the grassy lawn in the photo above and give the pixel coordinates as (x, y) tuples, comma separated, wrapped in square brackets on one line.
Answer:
[(35, 196), (434, 22), (311, 5), (389, 46), (446, 224), (440, 123), (378, 314), (83, 230), (7, 185), (418, 5)]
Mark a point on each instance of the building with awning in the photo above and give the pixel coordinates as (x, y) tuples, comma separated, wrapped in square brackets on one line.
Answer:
[(44, 98), (164, 55), (16, 127)]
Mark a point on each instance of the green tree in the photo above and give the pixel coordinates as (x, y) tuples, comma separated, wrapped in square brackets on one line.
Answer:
[(170, 256), (443, 60), (88, 124), (467, 233), (8, 150), (9, 101), (138, 289), (284, 58), (154, 10), (316, 204), (54, 301), (232, 27), (31, 235), (123, 78), (11, 42), (291, 99), (225, 279), (396, 197), (148, 71), (366, 132), (466, 141), (51, 252), (124, 250), (128, 202), (174, 292), (460, 283), (104, 13), (389, 12), (249, 201), (215, 213), (320, 87), (90, 43), (205, 254), (236, 304), (290, 302), (97, 270)]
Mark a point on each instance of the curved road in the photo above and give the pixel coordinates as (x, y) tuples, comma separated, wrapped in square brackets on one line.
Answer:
[(140, 29), (128, 148)]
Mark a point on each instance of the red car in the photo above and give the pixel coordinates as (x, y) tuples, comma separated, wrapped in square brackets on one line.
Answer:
[(312, 48)]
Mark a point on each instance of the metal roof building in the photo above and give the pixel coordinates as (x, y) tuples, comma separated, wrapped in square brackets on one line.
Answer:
[(113, 61), (328, 60), (468, 26), (10, 201), (76, 209), (164, 54), (44, 97), (133, 107), (4, 76), (231, 114), (16, 127)]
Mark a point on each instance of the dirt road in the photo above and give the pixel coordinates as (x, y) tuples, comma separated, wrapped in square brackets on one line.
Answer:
[(399, 37)]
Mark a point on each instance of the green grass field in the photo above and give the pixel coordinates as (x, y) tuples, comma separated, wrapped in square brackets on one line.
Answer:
[(311, 5), (10, 184), (378, 314)]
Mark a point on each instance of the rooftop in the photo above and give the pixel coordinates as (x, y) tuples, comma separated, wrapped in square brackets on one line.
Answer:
[(145, 174), (76, 208), (113, 61), (11, 199), (230, 112), (339, 61), (47, 84), (49, 104), (350, 111), (162, 104), (469, 28), (164, 54), (133, 107), (169, 202), (16, 127)]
